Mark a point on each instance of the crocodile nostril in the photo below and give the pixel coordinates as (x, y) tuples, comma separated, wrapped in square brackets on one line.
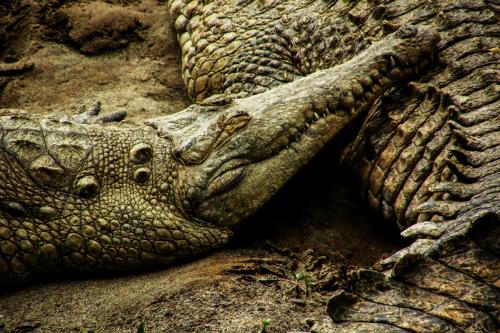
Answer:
[(87, 187)]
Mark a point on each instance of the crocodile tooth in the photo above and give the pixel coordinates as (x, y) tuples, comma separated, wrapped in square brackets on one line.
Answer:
[(393, 62), (316, 116)]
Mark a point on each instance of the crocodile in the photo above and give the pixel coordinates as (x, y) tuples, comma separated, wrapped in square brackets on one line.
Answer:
[(409, 86)]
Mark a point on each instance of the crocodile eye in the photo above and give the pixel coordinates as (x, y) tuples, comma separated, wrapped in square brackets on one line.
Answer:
[(141, 153), (142, 175), (87, 187)]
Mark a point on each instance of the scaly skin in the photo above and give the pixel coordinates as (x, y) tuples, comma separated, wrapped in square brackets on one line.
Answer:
[(103, 198), (58, 176), (427, 153)]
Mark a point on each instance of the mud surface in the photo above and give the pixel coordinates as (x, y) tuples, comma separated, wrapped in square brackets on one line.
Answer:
[(63, 56)]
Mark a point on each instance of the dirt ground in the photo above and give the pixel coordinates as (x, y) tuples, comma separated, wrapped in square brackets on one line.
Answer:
[(62, 56)]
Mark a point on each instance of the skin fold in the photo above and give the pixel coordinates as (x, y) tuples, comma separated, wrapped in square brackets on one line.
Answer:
[(274, 81)]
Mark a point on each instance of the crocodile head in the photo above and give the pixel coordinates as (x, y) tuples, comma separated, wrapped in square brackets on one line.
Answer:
[(233, 157)]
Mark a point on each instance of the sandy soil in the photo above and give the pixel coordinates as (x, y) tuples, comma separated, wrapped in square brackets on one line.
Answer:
[(62, 56)]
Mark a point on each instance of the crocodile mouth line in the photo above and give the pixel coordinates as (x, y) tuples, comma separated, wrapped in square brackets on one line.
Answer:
[(225, 181)]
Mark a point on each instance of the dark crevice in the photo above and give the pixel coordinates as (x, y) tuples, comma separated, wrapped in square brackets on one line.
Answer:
[(320, 208)]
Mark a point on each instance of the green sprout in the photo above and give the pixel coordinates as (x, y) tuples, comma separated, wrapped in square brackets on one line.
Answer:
[(142, 327), (265, 324)]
